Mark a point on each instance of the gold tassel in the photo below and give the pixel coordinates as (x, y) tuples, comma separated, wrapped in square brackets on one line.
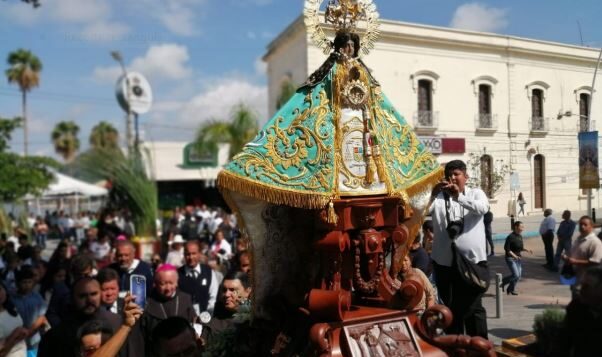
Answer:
[(370, 170), (332, 214), (380, 165)]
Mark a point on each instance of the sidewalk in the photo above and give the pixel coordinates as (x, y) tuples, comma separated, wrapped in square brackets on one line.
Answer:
[(538, 290)]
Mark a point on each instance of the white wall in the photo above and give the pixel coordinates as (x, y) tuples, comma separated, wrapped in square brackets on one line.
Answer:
[(458, 58)]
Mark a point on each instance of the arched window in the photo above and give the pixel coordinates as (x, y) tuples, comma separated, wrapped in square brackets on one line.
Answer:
[(425, 102), (485, 117), (487, 175)]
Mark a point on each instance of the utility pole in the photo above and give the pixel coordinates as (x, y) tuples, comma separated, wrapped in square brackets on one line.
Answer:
[(129, 126)]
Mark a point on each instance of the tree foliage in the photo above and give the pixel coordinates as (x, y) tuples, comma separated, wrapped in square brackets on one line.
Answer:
[(24, 70), (131, 187), (21, 175), (497, 175), (7, 126), (65, 140), (238, 131), (104, 136)]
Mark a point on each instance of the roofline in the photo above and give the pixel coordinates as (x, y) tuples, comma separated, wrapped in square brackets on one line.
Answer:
[(474, 38)]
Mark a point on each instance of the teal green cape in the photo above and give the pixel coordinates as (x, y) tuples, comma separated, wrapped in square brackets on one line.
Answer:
[(294, 159)]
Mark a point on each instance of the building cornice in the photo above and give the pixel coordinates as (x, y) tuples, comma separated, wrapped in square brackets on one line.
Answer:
[(404, 31)]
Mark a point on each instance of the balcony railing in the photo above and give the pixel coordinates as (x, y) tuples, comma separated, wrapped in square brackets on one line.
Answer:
[(486, 122), (539, 125), (426, 120)]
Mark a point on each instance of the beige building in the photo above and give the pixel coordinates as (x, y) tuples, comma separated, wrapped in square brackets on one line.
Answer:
[(489, 99)]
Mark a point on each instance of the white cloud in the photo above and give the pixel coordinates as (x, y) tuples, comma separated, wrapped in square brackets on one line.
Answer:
[(220, 98), (261, 67), (77, 11), (167, 61), (479, 17), (102, 31), (20, 13), (90, 20), (180, 17)]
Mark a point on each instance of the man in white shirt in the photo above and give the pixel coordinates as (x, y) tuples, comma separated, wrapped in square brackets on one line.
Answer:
[(466, 205), (586, 251), (546, 229)]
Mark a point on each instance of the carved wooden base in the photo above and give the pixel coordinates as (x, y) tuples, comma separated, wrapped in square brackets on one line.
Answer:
[(377, 332)]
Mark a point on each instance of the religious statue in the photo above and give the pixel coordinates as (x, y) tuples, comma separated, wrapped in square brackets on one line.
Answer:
[(331, 189)]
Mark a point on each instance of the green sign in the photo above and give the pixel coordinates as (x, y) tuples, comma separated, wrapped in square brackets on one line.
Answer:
[(195, 159)]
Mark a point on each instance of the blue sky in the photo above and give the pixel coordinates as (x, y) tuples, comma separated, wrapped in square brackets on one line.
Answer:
[(203, 56)]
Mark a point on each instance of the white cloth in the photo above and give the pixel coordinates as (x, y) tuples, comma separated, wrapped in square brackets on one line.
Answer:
[(175, 258), (548, 224), (223, 245), (213, 288), (134, 265), (8, 324), (100, 250), (472, 205)]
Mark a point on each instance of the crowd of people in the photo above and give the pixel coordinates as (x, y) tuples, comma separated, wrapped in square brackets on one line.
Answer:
[(80, 302)]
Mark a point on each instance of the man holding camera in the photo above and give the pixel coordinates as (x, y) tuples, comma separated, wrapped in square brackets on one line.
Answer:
[(457, 213)]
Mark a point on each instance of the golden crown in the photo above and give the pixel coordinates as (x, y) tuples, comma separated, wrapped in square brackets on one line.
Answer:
[(344, 15)]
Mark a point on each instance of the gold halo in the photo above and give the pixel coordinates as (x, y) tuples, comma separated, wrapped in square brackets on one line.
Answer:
[(316, 31)]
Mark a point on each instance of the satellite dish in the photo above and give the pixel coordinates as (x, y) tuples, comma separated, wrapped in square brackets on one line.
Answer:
[(134, 93)]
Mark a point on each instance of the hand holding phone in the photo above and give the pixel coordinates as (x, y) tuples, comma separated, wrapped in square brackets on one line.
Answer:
[(138, 289)]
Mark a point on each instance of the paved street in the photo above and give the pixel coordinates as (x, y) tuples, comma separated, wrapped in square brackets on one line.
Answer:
[(538, 290)]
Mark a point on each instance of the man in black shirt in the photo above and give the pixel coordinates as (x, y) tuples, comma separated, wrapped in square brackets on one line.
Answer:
[(514, 248)]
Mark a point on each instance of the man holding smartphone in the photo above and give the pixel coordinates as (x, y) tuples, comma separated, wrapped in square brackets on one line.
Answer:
[(465, 208)]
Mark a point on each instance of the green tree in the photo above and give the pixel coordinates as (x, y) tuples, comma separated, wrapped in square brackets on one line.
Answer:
[(239, 130), (24, 70), (104, 136), (287, 89), (65, 140), (21, 175), (7, 126)]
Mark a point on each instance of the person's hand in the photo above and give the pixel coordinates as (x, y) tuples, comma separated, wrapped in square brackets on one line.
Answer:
[(438, 188), (131, 311), (453, 189), (566, 258)]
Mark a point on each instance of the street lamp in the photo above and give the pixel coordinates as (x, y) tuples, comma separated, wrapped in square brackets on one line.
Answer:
[(128, 126)]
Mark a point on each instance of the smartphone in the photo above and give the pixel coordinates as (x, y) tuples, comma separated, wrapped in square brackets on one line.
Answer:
[(138, 289)]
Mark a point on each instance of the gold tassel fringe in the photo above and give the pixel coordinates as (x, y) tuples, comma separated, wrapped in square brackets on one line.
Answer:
[(430, 180), (272, 194), (380, 168), (370, 170)]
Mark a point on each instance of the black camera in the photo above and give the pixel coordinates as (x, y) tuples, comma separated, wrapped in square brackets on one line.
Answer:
[(454, 229)]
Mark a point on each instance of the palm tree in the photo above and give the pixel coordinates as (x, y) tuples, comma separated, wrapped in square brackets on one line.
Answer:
[(64, 138), (25, 68), (104, 136), (241, 129)]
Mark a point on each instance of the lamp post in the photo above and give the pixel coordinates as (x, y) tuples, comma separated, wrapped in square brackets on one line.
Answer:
[(589, 125), (128, 126)]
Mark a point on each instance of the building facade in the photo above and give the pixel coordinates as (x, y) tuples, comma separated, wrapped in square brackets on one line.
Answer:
[(511, 107)]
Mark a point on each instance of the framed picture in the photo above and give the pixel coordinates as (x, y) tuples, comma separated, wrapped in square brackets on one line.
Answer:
[(391, 338)]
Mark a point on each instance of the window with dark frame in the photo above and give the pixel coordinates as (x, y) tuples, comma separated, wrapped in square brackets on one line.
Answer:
[(425, 102), (584, 112), (537, 120), (485, 117)]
